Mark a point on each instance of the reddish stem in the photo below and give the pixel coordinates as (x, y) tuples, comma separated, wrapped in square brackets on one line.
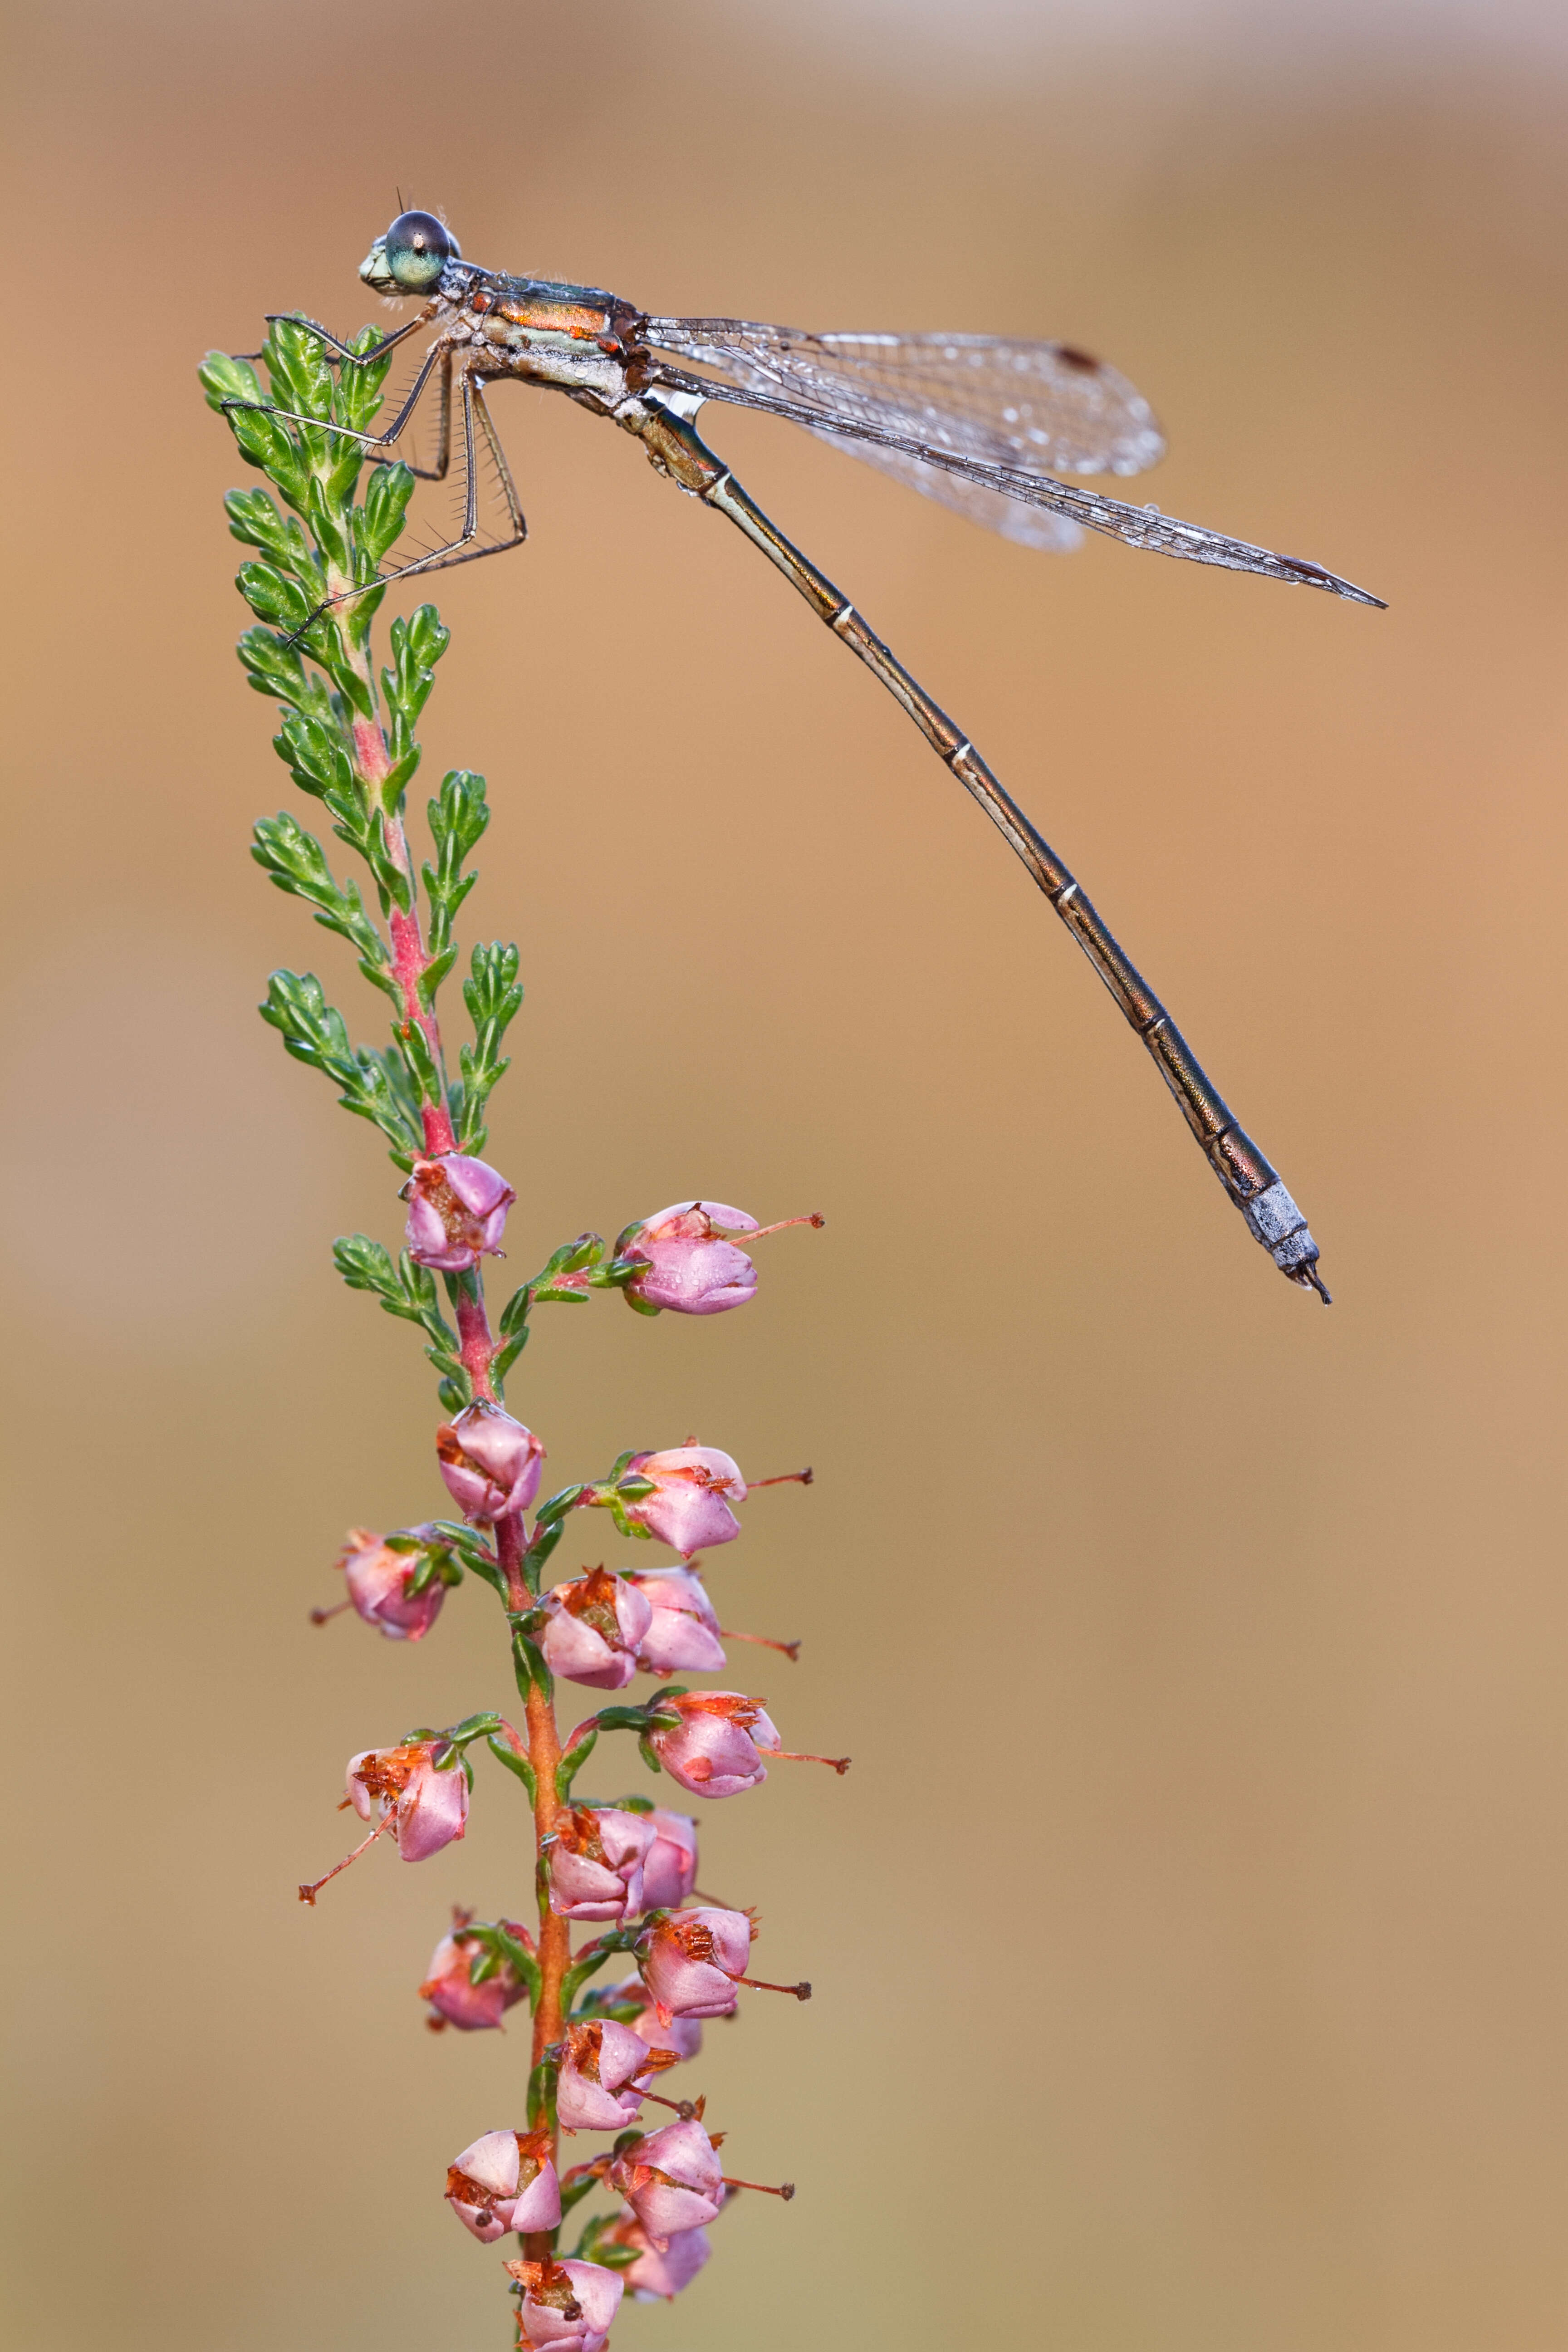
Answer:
[(475, 1340), (409, 960), (544, 1755)]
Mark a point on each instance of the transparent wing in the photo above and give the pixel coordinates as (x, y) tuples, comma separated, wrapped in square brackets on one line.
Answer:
[(1041, 407), (1038, 407), (1028, 526), (1143, 527)]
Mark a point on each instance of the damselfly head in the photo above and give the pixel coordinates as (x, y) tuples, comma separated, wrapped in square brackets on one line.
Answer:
[(411, 256)]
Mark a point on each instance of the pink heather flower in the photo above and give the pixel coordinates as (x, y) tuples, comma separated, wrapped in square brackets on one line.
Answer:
[(683, 1632), (671, 2180), (670, 1866), (452, 1993), (378, 1581), (567, 2306), (489, 1461), (457, 1213), (693, 1960), (658, 2276), (597, 1622), (429, 1808), (596, 1862), (504, 2181), (716, 1749), (693, 1268), (693, 1489), (601, 2059), (682, 2035)]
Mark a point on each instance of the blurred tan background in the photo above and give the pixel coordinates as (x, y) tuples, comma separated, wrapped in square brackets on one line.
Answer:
[(1189, 1937)]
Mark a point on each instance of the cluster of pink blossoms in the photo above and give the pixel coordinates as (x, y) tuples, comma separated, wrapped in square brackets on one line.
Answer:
[(628, 1869)]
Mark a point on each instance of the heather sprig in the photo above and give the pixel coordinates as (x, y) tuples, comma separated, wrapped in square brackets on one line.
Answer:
[(628, 1866)]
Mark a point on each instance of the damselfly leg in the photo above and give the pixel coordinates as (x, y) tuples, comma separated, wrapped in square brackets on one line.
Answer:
[(460, 548)]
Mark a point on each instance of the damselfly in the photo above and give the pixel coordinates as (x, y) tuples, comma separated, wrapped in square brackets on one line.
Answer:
[(985, 425)]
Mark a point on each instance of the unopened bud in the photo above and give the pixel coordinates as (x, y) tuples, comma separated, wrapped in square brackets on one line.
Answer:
[(491, 1463), (693, 1487)]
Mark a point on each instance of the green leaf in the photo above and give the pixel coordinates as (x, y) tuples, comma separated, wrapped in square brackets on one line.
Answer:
[(493, 999), (519, 1765), (272, 597), (316, 756), (296, 862), (276, 669), (457, 818), (381, 517), (224, 378), (313, 1031)]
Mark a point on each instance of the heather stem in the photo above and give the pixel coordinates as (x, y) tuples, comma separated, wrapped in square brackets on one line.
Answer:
[(409, 960), (544, 1755), (476, 1339)]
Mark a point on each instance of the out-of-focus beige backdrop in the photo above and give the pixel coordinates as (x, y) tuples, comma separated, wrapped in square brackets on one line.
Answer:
[(1189, 1937)]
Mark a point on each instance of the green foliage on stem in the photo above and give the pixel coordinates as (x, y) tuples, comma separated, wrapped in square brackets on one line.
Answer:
[(493, 999), (542, 2094), (527, 1666), (295, 861), (504, 1753), (591, 1958), (408, 1291), (315, 1032), (592, 2246), (457, 819), (312, 577), (497, 1947)]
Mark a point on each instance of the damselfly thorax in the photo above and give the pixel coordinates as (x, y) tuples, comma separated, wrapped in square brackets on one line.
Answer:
[(986, 425)]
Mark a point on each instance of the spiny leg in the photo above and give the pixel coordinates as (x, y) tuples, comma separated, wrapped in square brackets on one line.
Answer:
[(343, 351), (1250, 1178), (455, 551)]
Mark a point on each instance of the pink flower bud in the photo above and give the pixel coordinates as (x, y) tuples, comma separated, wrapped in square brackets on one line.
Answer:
[(457, 1213), (693, 1960), (683, 1634), (505, 2182), (715, 1751), (451, 1992), (567, 2306), (602, 2058), (378, 1580), (671, 2180), (670, 1866), (693, 1268), (598, 1624), (595, 1861), (658, 2276), (693, 1489), (428, 1806), (489, 1461)]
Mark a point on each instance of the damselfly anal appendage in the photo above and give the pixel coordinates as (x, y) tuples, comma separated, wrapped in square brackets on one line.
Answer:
[(987, 426)]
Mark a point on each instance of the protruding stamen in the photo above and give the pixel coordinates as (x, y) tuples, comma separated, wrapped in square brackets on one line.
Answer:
[(792, 1756), (801, 1991), (685, 2109), (786, 2191), (790, 1650), (324, 1616), (309, 1894), (785, 1479), (782, 1226)]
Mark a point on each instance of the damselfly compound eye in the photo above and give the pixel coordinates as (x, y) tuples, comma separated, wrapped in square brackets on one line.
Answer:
[(417, 248)]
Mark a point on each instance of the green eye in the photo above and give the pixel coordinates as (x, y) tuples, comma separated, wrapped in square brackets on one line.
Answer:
[(417, 248)]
